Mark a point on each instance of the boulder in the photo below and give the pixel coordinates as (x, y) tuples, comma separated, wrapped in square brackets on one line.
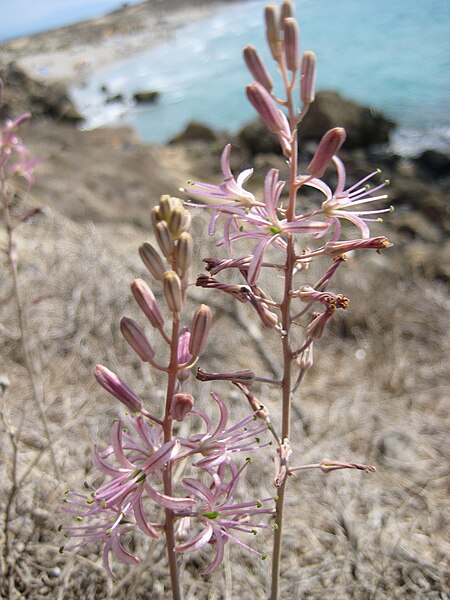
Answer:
[(257, 139), (148, 97), (22, 93), (434, 163), (195, 132), (113, 98), (364, 125)]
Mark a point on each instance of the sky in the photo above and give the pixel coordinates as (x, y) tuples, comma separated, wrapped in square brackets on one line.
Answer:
[(21, 17)]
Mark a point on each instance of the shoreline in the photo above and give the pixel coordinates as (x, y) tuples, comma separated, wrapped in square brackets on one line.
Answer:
[(71, 53)]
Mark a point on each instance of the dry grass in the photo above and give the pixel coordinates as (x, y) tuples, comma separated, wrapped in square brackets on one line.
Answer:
[(378, 393)]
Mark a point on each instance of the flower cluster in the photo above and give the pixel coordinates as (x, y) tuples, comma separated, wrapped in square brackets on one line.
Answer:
[(15, 159), (202, 509), (141, 491)]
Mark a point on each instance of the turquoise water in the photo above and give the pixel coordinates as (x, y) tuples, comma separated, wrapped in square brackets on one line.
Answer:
[(393, 55)]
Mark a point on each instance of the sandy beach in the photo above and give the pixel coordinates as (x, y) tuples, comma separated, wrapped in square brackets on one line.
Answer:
[(68, 54)]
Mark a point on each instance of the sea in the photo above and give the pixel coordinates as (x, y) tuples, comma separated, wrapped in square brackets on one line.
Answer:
[(393, 55)]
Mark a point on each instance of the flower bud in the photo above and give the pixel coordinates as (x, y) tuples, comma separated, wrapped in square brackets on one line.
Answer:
[(257, 68), (117, 388), (156, 216), (291, 44), (167, 204), (181, 406), (184, 251), (328, 146), (308, 79), (152, 260), (147, 302), (201, 324), (172, 291), (137, 339), (164, 238), (286, 10), (184, 356), (265, 106), (179, 221), (272, 30)]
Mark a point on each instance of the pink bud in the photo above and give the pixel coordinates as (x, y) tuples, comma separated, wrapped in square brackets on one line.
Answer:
[(117, 388), (181, 406), (137, 339), (152, 260), (201, 324), (308, 79), (265, 106), (286, 10), (184, 356), (179, 221), (328, 146), (257, 68), (291, 44), (147, 302), (167, 204)]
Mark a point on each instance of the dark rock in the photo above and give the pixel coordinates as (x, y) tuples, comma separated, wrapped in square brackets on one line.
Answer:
[(195, 132), (23, 93), (149, 97), (257, 139), (364, 125), (104, 89), (434, 163), (114, 98)]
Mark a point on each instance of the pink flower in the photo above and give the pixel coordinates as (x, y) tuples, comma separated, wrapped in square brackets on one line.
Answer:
[(229, 191), (347, 203), (220, 517), (218, 444), (268, 224), (105, 525)]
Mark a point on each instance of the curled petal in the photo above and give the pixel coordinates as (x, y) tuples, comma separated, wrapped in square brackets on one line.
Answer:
[(196, 542)]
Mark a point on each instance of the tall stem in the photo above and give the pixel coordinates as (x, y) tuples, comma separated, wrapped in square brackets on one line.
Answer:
[(167, 477), (287, 352)]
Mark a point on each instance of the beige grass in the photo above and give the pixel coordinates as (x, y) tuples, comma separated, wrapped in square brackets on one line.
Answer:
[(378, 393)]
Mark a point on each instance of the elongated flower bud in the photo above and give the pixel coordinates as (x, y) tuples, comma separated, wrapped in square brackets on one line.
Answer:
[(264, 104), (181, 406), (201, 324), (179, 221), (137, 339), (172, 291), (156, 216), (257, 68), (147, 302), (164, 238), (305, 359), (286, 10), (272, 30), (184, 251), (328, 146), (184, 356), (117, 388), (167, 204), (152, 260), (291, 44), (308, 79), (317, 326)]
